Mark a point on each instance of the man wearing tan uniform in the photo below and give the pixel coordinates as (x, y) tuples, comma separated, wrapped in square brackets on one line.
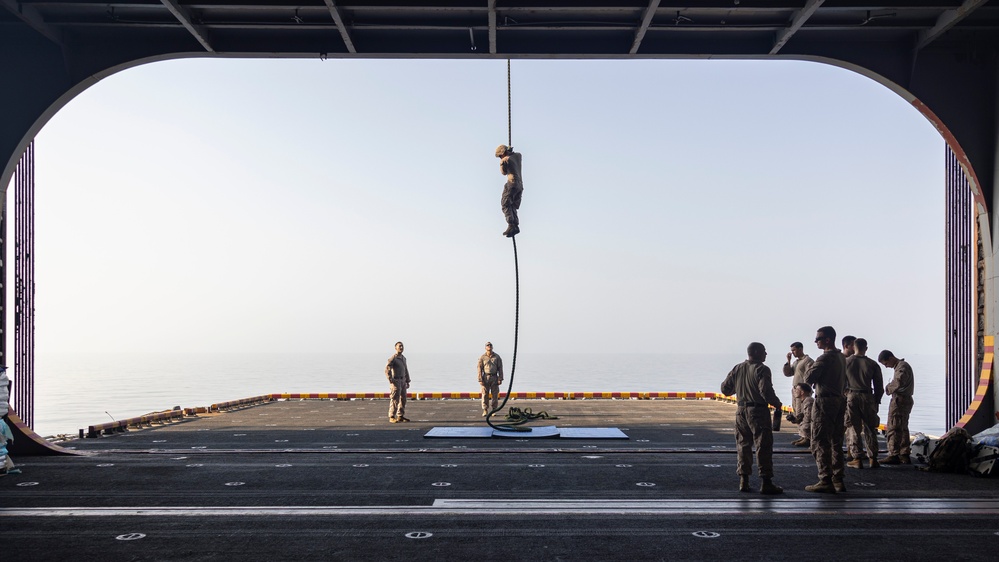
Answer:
[(490, 368), (510, 166), (797, 370), (751, 382), (398, 376), (897, 427), (849, 437), (864, 389), (828, 376)]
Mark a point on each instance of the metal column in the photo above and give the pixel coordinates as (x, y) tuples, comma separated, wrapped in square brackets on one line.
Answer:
[(23, 391), (962, 291)]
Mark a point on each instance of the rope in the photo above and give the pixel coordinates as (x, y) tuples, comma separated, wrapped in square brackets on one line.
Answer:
[(513, 367), (516, 416), (509, 107)]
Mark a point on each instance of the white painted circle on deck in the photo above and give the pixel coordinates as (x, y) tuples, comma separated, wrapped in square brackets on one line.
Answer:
[(130, 537), (419, 535), (706, 534)]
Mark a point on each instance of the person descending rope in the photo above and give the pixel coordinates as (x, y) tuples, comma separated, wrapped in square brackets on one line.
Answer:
[(510, 166)]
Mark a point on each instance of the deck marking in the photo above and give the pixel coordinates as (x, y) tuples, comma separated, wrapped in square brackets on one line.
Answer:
[(452, 507)]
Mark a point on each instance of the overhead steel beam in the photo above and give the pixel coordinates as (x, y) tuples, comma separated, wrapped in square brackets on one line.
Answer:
[(338, 18), (492, 27), (800, 17), (947, 20), (29, 15), (650, 12), (183, 15)]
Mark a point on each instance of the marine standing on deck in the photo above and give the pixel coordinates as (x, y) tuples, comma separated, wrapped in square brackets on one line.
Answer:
[(751, 382), (803, 394), (897, 426), (864, 389), (797, 370), (828, 376), (849, 436), (490, 368), (510, 166), (398, 376)]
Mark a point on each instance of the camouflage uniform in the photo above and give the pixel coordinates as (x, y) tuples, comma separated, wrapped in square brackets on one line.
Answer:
[(510, 166), (6, 435), (804, 418), (797, 371), (398, 376), (828, 375), (751, 383), (490, 368), (897, 426), (864, 391)]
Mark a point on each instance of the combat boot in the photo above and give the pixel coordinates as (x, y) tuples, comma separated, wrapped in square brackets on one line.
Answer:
[(891, 459), (769, 488), (393, 420), (905, 459), (856, 463), (821, 487), (743, 483), (804, 442), (839, 486), (874, 462), (511, 231)]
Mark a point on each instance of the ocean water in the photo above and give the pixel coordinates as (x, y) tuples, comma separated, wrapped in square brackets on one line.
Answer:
[(75, 390)]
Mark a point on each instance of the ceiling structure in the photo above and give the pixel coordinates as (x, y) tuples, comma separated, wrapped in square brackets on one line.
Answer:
[(546, 28)]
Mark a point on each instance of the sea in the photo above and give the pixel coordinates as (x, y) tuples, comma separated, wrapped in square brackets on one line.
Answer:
[(76, 390)]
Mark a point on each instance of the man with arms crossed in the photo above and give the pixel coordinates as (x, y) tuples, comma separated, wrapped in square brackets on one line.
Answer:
[(750, 381), (797, 370), (828, 376)]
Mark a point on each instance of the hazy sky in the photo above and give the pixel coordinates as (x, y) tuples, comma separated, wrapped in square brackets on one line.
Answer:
[(306, 205)]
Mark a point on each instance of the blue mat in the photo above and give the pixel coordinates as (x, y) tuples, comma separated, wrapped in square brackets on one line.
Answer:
[(479, 432)]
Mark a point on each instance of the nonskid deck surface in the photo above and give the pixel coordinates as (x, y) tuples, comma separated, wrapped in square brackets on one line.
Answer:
[(333, 479)]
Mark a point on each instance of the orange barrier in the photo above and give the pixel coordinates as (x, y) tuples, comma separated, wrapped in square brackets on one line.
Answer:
[(241, 403), (147, 420), (984, 382), (478, 395)]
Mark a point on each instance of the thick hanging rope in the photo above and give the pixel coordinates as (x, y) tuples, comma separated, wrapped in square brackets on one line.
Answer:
[(518, 417), (509, 107), (513, 367)]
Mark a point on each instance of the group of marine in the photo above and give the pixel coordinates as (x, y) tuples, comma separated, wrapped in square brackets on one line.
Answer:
[(836, 397)]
